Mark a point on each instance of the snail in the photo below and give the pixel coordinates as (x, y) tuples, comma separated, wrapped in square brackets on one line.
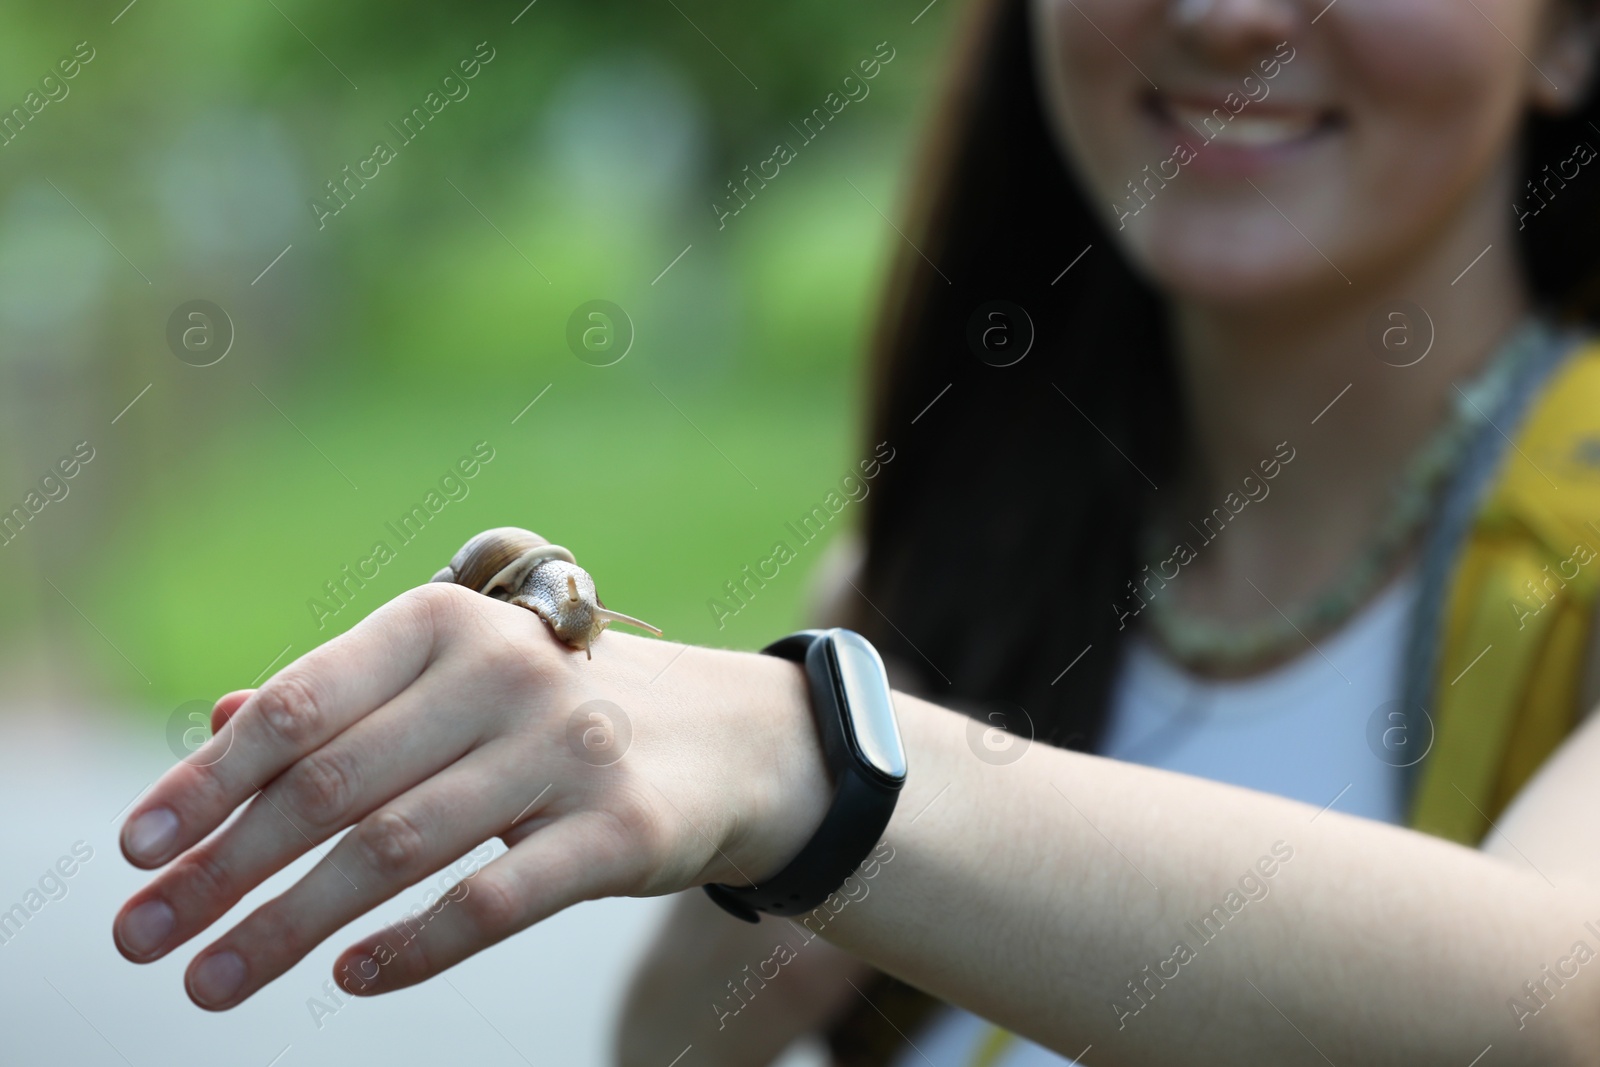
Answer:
[(522, 568)]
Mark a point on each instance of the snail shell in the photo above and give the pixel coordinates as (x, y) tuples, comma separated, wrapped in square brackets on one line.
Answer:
[(522, 568), (496, 562)]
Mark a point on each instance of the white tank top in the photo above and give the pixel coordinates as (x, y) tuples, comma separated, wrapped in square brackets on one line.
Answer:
[(1299, 730)]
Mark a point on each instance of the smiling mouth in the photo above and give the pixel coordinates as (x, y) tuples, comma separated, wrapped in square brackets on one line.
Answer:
[(1252, 126)]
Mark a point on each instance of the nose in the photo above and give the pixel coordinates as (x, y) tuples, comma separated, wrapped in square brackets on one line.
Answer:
[(1233, 32)]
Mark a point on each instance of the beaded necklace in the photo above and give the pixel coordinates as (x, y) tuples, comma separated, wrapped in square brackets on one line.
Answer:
[(1236, 647)]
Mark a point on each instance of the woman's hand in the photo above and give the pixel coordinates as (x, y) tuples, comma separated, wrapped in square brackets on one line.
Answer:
[(679, 992), (442, 720)]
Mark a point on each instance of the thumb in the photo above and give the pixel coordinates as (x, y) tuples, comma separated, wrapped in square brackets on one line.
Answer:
[(224, 708)]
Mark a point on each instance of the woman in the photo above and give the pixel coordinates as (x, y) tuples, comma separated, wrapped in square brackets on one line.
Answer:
[(1336, 165), (1002, 218), (1249, 296), (1206, 350)]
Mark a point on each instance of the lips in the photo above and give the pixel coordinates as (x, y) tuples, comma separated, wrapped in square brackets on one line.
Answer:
[(1255, 125)]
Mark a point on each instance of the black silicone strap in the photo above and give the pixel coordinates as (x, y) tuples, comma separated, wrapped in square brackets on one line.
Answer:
[(863, 800)]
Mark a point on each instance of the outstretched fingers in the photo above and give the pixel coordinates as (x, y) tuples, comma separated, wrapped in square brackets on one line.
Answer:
[(399, 844), (379, 758), (576, 858), (297, 711)]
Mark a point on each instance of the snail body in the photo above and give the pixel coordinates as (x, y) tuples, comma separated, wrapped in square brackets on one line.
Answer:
[(520, 567)]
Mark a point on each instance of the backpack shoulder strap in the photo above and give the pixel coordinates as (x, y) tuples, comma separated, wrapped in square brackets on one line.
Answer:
[(1516, 612)]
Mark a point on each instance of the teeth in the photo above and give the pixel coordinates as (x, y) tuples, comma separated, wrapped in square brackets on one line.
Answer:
[(1244, 128)]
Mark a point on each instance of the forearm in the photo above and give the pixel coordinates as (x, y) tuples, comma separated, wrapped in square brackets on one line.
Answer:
[(706, 982), (1037, 894)]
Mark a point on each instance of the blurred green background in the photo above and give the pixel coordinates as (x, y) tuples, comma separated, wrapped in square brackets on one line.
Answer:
[(429, 312)]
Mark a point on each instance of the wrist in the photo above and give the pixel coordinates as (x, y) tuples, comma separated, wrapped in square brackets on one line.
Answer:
[(866, 767), (790, 789)]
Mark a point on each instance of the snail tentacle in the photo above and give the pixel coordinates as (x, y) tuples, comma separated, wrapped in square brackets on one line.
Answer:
[(616, 616)]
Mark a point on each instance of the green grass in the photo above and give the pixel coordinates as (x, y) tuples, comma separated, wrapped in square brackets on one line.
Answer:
[(216, 570)]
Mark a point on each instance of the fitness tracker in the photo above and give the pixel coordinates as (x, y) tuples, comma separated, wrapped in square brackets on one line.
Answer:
[(861, 743)]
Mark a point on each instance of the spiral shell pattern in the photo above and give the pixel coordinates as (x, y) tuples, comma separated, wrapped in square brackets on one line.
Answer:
[(518, 566)]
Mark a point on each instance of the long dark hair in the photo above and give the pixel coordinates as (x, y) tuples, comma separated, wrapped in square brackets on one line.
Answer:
[(1008, 523)]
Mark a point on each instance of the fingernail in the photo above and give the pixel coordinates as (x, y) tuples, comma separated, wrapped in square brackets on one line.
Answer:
[(216, 978), (147, 927), (148, 837)]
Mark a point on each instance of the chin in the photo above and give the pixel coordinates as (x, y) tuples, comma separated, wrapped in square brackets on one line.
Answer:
[(1211, 258)]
